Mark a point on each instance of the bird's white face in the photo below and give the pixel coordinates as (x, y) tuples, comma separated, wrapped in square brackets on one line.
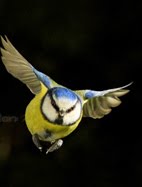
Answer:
[(61, 106)]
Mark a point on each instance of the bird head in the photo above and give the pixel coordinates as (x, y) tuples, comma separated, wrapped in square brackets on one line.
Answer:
[(61, 106)]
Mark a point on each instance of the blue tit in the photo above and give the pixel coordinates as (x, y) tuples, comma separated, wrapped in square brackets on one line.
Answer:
[(56, 111)]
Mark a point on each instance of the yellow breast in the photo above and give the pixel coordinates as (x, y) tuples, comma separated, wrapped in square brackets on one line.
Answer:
[(37, 124)]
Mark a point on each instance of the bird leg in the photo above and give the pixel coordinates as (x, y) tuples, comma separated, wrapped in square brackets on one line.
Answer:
[(36, 141), (55, 145)]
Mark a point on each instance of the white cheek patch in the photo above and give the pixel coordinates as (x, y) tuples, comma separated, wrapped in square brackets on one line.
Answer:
[(74, 115), (48, 110)]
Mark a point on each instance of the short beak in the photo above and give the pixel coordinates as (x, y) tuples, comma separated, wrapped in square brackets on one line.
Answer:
[(61, 113)]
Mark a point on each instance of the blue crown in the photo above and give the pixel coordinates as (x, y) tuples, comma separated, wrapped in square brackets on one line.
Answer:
[(61, 92)]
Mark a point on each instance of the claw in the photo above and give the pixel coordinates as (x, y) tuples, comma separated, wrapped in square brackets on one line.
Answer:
[(56, 145), (36, 141)]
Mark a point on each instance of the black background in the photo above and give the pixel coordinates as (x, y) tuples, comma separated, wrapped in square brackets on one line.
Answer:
[(82, 45)]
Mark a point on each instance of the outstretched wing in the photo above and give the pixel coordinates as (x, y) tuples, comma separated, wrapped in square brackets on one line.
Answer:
[(99, 103), (21, 69)]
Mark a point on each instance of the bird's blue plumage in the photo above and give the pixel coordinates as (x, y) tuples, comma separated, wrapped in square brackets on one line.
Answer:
[(61, 92), (43, 78), (89, 94)]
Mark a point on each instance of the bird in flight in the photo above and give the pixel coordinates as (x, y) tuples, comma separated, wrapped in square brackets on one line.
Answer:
[(56, 111)]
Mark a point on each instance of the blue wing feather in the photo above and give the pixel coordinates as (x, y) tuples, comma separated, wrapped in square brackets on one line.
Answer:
[(43, 78), (92, 93)]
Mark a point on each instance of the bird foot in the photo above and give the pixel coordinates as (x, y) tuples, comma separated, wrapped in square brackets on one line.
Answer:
[(36, 141), (55, 145)]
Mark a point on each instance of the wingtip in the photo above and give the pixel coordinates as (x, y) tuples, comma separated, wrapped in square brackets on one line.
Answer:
[(1, 38), (130, 83), (4, 39), (127, 85)]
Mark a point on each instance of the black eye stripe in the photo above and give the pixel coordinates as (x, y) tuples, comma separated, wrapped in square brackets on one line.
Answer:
[(70, 109), (54, 104)]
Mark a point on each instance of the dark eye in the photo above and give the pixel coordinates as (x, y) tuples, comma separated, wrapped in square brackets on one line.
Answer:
[(70, 109)]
